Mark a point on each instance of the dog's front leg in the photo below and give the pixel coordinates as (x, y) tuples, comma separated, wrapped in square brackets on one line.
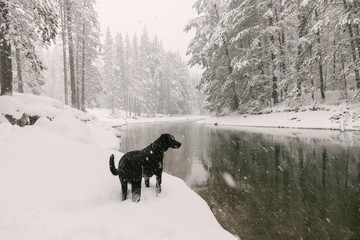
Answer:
[(158, 183), (147, 181)]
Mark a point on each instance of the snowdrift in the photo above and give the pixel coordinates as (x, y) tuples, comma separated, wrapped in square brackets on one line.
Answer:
[(56, 184)]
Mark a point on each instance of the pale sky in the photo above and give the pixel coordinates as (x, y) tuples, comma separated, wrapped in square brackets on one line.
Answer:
[(165, 18)]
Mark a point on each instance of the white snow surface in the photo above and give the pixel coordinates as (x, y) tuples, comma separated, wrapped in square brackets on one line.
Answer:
[(55, 184), (346, 117), (119, 117)]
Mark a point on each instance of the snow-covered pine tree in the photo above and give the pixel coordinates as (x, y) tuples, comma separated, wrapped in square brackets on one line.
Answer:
[(350, 20), (24, 24), (135, 71), (264, 52), (156, 83), (119, 71), (210, 48), (145, 74), (181, 91), (80, 24), (109, 81), (89, 41)]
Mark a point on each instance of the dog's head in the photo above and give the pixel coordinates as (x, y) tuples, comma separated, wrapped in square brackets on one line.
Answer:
[(168, 141)]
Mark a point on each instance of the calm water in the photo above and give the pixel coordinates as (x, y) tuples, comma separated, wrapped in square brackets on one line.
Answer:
[(266, 184)]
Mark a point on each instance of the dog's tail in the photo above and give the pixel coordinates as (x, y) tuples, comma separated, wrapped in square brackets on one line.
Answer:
[(113, 169)]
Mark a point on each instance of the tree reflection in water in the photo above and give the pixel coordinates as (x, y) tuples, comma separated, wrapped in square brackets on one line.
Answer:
[(285, 186)]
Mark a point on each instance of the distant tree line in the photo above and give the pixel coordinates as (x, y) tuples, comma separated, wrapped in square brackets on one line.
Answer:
[(139, 75), (259, 53)]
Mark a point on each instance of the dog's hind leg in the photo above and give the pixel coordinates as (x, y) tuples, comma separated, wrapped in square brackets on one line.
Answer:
[(123, 189), (136, 190)]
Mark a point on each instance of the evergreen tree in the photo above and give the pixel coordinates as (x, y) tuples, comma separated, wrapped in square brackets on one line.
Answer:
[(109, 83), (119, 71), (89, 39), (259, 53), (210, 48), (31, 23)]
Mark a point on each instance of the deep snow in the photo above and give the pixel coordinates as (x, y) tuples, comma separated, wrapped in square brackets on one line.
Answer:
[(55, 183)]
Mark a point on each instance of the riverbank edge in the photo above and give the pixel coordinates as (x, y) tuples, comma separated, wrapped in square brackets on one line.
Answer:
[(316, 120), (119, 120)]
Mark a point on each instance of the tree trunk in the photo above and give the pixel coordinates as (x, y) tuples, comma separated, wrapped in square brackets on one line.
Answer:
[(112, 100), (124, 90), (5, 53), (334, 67), (321, 74), (63, 29), (19, 71), (82, 102), (344, 74), (282, 62), (77, 56), (71, 55), (312, 76), (274, 94), (129, 102), (300, 57)]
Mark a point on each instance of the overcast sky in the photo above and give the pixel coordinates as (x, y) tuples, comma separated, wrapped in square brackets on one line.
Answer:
[(165, 18)]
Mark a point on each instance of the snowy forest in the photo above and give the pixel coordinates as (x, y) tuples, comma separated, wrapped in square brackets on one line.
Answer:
[(54, 47), (253, 54), (257, 53), (140, 73)]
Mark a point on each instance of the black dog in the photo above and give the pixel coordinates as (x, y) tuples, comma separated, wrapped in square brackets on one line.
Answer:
[(147, 162)]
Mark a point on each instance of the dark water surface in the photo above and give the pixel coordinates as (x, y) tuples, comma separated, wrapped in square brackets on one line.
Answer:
[(266, 183)]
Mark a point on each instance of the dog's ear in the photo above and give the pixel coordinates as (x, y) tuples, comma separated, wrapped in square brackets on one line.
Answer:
[(165, 137), (163, 141)]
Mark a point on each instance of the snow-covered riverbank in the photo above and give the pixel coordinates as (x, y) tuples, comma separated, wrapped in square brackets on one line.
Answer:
[(321, 117), (56, 183), (120, 117)]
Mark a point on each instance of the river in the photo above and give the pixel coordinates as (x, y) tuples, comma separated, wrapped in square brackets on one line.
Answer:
[(266, 183)]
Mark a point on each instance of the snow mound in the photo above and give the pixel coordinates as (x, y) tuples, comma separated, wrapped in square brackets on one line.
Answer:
[(18, 104), (40, 106), (104, 136), (56, 184), (42, 122), (68, 126), (53, 188), (66, 121)]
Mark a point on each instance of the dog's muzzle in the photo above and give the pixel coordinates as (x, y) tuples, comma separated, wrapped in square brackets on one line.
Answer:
[(176, 145)]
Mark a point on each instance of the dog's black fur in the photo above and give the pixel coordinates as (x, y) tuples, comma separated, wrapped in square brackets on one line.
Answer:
[(146, 162)]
